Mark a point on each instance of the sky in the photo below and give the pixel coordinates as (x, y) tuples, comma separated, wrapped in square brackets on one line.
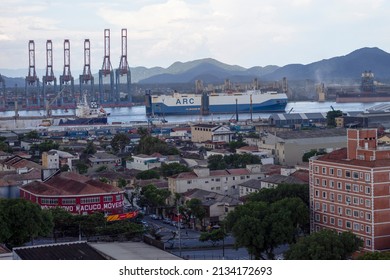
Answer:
[(160, 32)]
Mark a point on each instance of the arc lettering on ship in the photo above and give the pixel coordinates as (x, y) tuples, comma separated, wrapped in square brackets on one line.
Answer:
[(185, 101)]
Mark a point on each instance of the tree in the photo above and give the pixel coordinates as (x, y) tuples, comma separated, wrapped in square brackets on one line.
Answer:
[(149, 145), (261, 227), (271, 195), (196, 210), (375, 256), (214, 236), (325, 245), (64, 168), (148, 174), (331, 117), (33, 134), (306, 156), (216, 162), (81, 167), (153, 197), (119, 142), (171, 169), (64, 223), (22, 220)]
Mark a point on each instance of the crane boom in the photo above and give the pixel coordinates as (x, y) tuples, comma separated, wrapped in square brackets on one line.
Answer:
[(49, 103)]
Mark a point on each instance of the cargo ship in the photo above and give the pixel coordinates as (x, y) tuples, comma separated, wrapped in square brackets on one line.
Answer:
[(369, 91), (251, 101), (86, 114)]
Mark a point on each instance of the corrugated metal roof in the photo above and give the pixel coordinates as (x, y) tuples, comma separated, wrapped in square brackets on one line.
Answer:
[(59, 251)]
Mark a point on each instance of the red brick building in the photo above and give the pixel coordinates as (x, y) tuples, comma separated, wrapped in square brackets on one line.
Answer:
[(350, 190), (76, 193)]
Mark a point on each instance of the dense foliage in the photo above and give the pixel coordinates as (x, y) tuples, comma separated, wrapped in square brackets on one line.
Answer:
[(22, 221), (219, 162), (261, 226), (324, 245)]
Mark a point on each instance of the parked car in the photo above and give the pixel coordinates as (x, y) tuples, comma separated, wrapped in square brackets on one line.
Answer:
[(154, 217), (166, 221)]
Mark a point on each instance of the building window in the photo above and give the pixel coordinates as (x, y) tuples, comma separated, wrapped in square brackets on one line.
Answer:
[(368, 203), (325, 219), (317, 181), (348, 212), (51, 201), (347, 174), (107, 198), (331, 208), (217, 180), (356, 226), (355, 200), (348, 199), (331, 184), (355, 214), (367, 177), (339, 185), (331, 220), (316, 169), (317, 193), (340, 222), (331, 171), (324, 207), (331, 196), (355, 175), (323, 170), (317, 217), (339, 198), (368, 190), (348, 224), (68, 201), (339, 210), (189, 182), (355, 188), (86, 200), (348, 187), (339, 173), (324, 183), (368, 216), (361, 175), (324, 195), (317, 206), (368, 242), (368, 229)]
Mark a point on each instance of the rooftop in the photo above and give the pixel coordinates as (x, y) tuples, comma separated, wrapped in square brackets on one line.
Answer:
[(314, 133), (340, 156), (60, 251), (69, 183)]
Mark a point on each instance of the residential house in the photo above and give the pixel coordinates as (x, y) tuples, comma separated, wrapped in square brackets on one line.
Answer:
[(220, 181), (104, 159), (217, 206), (211, 132)]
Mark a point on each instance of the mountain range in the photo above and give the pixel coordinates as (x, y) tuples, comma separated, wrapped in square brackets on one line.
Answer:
[(347, 67)]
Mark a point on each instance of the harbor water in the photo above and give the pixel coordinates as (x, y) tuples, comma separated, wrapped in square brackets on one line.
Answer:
[(138, 113)]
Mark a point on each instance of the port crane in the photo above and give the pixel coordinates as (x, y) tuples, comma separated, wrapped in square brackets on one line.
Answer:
[(51, 102)]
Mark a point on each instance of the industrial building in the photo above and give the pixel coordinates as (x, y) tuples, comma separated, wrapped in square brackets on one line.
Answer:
[(288, 147)]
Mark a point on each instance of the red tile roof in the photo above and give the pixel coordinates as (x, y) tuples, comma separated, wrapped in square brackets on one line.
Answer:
[(340, 156), (69, 183)]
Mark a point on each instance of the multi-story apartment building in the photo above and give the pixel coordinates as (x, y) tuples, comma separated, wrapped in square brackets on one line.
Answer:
[(350, 190), (224, 182)]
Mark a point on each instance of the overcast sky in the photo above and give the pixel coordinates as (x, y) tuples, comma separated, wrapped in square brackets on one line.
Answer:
[(242, 32)]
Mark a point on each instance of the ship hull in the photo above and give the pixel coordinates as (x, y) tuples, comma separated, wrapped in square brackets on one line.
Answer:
[(363, 98), (223, 103), (83, 121)]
